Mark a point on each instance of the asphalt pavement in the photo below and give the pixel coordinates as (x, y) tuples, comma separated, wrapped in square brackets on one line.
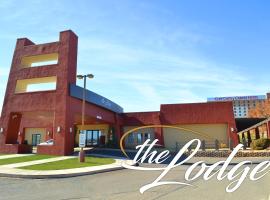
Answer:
[(125, 184)]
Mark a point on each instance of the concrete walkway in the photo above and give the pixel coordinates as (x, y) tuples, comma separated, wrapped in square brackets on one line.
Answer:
[(36, 162), (13, 156), (11, 170)]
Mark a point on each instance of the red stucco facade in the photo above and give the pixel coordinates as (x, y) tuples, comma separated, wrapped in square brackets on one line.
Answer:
[(192, 113), (56, 108)]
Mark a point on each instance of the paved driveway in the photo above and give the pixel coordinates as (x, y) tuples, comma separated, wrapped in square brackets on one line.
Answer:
[(118, 153), (125, 184)]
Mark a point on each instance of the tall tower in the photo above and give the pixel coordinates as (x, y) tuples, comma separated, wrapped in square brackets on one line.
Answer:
[(28, 103)]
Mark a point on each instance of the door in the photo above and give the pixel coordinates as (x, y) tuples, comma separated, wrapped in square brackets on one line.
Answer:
[(92, 137), (36, 139), (95, 137), (88, 138)]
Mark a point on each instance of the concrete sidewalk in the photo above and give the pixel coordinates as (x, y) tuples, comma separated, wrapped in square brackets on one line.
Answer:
[(12, 170), (36, 162), (13, 156)]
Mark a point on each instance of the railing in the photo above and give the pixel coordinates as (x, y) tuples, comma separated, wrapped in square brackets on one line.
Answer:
[(254, 126), (206, 145)]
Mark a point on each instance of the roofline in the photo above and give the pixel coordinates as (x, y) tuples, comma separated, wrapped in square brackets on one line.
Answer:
[(195, 103), (141, 112)]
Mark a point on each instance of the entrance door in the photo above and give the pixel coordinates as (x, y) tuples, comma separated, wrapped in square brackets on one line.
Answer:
[(92, 137), (36, 139)]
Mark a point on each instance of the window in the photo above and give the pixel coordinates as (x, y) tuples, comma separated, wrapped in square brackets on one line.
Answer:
[(131, 138), (139, 138), (36, 84), (39, 60), (147, 136)]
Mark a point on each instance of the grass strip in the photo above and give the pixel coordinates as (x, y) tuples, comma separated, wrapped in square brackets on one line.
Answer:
[(14, 160), (70, 164)]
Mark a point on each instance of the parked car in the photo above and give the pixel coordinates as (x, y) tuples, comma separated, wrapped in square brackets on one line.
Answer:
[(48, 142)]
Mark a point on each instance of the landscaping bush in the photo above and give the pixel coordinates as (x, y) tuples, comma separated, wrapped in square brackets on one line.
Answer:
[(223, 145), (260, 144)]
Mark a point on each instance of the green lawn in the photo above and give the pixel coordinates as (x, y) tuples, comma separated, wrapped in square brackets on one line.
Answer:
[(23, 159), (70, 163)]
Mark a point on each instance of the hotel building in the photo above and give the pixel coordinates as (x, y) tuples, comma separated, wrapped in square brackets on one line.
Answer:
[(241, 104), (42, 102)]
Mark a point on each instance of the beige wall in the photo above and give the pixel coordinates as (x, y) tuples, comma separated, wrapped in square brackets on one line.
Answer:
[(208, 132), (135, 135), (30, 131), (29, 60), (214, 131), (21, 85)]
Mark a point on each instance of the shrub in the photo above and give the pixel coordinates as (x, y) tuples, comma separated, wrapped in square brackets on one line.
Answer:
[(223, 145), (260, 144)]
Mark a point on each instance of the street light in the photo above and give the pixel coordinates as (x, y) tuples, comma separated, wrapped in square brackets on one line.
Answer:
[(80, 76), (81, 154)]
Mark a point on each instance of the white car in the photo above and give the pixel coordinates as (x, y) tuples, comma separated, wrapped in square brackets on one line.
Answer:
[(48, 142)]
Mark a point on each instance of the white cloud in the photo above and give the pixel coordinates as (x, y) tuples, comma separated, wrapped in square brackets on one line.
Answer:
[(152, 63), (148, 93), (166, 78), (4, 71)]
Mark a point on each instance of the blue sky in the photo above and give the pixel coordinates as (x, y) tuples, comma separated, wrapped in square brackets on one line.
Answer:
[(152, 52)]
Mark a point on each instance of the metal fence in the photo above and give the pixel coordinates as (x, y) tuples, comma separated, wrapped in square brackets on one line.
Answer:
[(205, 145), (214, 145)]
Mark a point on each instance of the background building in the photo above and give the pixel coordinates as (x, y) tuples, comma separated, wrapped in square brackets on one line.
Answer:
[(241, 104)]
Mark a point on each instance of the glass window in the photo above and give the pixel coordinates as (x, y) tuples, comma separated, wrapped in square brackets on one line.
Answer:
[(131, 138), (139, 138), (147, 136)]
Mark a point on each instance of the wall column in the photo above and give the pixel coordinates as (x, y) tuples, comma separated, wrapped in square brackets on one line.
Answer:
[(268, 129), (159, 135)]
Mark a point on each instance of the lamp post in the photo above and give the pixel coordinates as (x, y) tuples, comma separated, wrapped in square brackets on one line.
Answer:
[(90, 76)]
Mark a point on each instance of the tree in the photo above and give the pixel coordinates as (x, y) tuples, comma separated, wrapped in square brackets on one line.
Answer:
[(261, 110)]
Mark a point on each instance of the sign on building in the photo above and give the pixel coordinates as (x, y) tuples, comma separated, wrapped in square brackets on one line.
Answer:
[(237, 98), (82, 138)]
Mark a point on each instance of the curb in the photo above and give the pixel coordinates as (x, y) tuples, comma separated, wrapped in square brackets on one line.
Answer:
[(70, 175), (59, 175)]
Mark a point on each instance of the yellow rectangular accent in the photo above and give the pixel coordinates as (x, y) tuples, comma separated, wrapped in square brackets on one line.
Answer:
[(30, 131), (23, 85), (39, 60), (214, 131)]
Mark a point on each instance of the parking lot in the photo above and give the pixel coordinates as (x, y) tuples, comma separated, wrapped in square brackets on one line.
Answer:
[(125, 184)]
